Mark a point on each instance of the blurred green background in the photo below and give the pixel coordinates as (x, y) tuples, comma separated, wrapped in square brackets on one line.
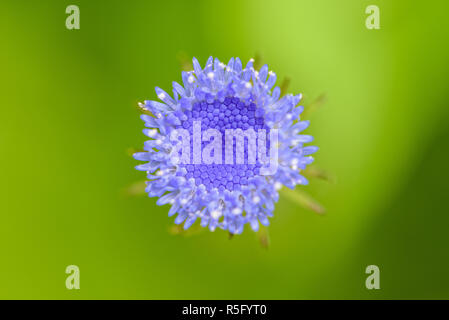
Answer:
[(68, 117)]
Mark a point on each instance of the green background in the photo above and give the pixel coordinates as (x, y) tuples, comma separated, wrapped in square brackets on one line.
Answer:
[(68, 119)]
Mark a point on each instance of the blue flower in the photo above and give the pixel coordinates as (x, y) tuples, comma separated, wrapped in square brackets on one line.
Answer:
[(237, 192)]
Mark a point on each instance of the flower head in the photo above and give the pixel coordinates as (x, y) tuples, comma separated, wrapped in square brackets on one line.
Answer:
[(192, 162)]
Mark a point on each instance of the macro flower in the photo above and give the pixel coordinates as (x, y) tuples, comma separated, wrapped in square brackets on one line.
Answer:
[(216, 181)]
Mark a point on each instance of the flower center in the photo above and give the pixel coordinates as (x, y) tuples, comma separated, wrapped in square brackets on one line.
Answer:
[(229, 113)]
